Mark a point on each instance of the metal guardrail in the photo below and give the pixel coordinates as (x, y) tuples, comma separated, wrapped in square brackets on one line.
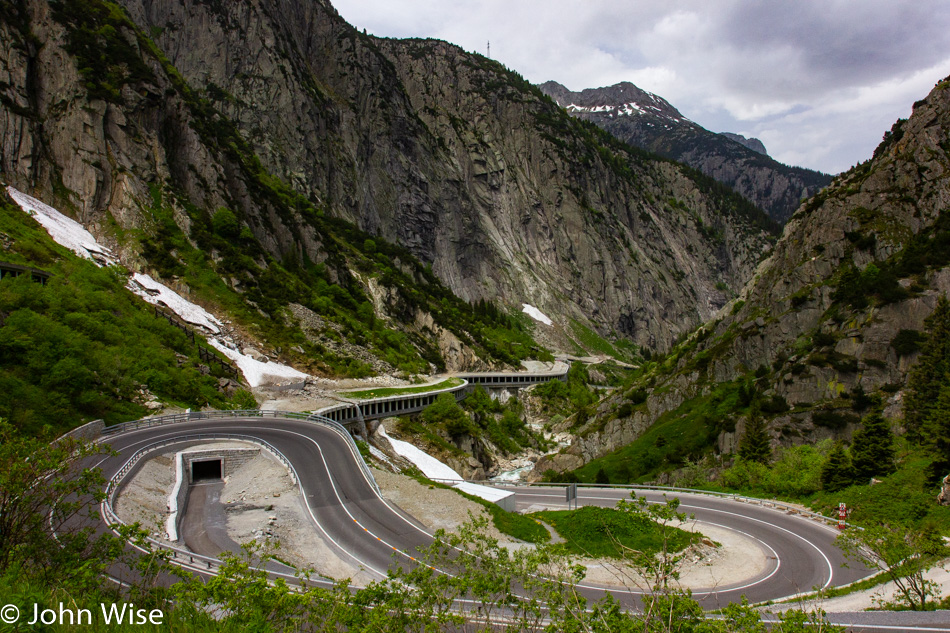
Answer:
[(180, 418), (767, 503), (178, 555)]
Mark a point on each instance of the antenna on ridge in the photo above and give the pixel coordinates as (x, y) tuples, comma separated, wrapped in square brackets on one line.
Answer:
[(489, 49)]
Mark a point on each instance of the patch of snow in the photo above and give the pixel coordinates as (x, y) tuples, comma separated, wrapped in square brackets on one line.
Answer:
[(71, 234), (536, 314), (64, 230), (157, 293), (631, 108), (485, 492), (256, 372), (430, 466)]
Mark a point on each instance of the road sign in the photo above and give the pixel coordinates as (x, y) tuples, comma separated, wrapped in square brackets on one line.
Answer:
[(842, 515), (571, 494)]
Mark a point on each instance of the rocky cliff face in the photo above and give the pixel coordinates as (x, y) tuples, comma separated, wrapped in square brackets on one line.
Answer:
[(459, 160), (649, 121), (815, 338), (752, 143), (96, 121), (153, 116)]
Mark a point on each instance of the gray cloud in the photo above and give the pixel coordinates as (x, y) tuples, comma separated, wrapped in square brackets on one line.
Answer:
[(818, 81)]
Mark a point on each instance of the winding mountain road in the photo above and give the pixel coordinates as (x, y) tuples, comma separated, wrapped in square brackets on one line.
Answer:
[(347, 510)]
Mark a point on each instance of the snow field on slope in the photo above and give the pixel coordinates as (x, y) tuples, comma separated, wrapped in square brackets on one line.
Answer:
[(256, 372), (430, 466), (64, 230), (437, 471), (156, 293), (536, 314), (71, 234)]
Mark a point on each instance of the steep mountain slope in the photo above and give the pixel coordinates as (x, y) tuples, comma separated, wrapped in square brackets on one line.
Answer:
[(462, 162), (752, 143), (97, 122), (828, 326), (648, 121)]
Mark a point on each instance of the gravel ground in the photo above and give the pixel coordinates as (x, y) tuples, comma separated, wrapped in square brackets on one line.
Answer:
[(144, 498), (435, 508), (735, 559), (263, 504)]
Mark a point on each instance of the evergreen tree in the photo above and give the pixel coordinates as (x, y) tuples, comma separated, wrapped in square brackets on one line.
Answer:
[(754, 445), (837, 473), (930, 373), (936, 433), (602, 477), (872, 448)]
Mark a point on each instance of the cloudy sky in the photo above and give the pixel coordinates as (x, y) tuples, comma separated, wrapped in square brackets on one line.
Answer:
[(818, 81)]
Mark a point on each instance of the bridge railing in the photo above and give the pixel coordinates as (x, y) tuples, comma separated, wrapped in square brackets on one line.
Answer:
[(359, 409)]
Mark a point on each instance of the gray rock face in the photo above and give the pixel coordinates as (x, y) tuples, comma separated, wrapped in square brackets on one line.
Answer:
[(752, 143), (444, 152), (897, 195), (646, 120)]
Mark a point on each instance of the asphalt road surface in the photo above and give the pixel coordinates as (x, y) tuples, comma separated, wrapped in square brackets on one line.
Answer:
[(375, 535)]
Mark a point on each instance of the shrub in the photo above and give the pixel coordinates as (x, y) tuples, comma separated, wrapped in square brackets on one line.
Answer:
[(638, 396), (775, 405), (837, 473), (907, 342), (226, 224), (832, 419), (823, 339), (446, 412)]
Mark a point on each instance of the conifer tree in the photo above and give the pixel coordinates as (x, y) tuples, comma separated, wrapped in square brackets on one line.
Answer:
[(837, 473), (936, 433), (872, 448), (930, 373), (754, 445)]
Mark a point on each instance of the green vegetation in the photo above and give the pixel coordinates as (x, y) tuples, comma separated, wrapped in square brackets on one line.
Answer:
[(928, 392), (903, 498), (503, 425), (755, 445), (683, 434), (572, 397), (593, 342), (907, 342), (795, 474), (104, 45), (398, 391), (872, 448), (878, 283), (81, 347), (611, 533), (837, 473)]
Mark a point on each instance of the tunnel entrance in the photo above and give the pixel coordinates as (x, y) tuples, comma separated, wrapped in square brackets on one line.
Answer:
[(206, 470)]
